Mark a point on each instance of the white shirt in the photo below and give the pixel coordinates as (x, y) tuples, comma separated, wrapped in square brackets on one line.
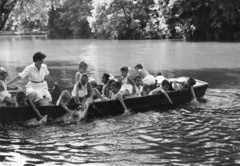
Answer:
[(4, 93), (32, 72), (41, 87)]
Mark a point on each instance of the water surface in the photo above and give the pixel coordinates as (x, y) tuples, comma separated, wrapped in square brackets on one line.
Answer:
[(197, 133)]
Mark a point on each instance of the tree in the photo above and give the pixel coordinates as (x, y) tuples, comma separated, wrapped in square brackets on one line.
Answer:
[(6, 6), (70, 20)]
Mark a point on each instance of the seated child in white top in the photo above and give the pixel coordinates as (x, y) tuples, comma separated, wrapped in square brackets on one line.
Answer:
[(82, 89), (117, 95), (5, 96), (139, 87), (128, 85), (164, 88), (148, 79)]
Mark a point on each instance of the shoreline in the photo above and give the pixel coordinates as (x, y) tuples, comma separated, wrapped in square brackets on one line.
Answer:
[(9, 33)]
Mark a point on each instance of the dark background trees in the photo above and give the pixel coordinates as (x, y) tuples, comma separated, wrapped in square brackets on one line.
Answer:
[(125, 19)]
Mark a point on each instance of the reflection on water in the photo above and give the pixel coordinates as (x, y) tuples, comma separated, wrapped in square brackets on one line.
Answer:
[(204, 133), (198, 133), (171, 57)]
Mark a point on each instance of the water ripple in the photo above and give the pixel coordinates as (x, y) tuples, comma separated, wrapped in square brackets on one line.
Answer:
[(204, 133)]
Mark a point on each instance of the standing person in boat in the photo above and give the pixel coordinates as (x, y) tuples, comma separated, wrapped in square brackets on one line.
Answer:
[(128, 86), (147, 78), (82, 70), (163, 88), (37, 72), (31, 99), (5, 96), (82, 90), (117, 95)]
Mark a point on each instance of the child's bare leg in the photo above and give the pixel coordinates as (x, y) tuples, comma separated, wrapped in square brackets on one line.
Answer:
[(10, 101)]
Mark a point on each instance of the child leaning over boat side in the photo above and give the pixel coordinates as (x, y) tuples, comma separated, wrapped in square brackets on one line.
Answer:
[(63, 100), (117, 95), (164, 88), (24, 100), (5, 96), (187, 84)]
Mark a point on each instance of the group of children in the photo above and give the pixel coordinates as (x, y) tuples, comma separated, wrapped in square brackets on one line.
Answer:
[(141, 83)]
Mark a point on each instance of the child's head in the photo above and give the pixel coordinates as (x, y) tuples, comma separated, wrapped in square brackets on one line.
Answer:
[(124, 71), (66, 96), (115, 87), (165, 84), (191, 81), (105, 78), (138, 80), (83, 67), (83, 81), (138, 66), (21, 98), (93, 84), (3, 73)]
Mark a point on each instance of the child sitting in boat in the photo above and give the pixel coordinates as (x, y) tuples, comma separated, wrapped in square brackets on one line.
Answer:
[(139, 87), (187, 84), (107, 91), (5, 96), (163, 88), (31, 99), (96, 94), (147, 78), (82, 70), (117, 95), (128, 86), (105, 88), (82, 90)]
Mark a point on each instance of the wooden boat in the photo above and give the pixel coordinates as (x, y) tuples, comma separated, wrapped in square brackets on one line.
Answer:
[(107, 108)]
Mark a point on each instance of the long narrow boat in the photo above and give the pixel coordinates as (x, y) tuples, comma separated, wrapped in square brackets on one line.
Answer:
[(107, 108)]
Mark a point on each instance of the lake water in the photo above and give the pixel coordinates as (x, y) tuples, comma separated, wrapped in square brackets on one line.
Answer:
[(193, 134)]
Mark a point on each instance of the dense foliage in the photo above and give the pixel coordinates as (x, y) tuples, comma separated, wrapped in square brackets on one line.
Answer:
[(70, 20), (126, 19)]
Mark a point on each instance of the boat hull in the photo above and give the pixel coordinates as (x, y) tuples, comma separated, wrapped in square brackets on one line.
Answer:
[(106, 108)]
